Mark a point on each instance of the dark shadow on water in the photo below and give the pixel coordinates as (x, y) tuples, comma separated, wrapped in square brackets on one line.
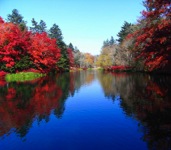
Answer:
[(145, 98)]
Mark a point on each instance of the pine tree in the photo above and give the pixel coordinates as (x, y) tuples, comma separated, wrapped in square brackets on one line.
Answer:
[(17, 18), (55, 32), (112, 41), (124, 31), (38, 27)]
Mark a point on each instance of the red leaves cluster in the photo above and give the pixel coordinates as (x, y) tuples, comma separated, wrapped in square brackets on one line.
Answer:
[(15, 44), (44, 97), (71, 57), (153, 42), (119, 68), (44, 51)]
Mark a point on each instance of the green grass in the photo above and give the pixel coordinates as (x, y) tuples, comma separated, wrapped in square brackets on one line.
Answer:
[(23, 76)]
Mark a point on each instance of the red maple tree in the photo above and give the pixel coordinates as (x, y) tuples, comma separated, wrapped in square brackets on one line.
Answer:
[(153, 41), (44, 52), (13, 44)]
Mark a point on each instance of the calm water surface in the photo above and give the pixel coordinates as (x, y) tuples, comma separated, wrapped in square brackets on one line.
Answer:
[(87, 110)]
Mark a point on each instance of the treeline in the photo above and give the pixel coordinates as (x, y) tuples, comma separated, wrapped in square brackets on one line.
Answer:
[(144, 46), (36, 48)]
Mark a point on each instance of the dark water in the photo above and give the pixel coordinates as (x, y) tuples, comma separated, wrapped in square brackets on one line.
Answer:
[(87, 111)]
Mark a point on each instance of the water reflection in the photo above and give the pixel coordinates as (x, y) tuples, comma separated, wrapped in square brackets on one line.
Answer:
[(145, 98), (23, 102)]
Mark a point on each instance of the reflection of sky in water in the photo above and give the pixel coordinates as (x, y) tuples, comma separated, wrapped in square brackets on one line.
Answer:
[(90, 120)]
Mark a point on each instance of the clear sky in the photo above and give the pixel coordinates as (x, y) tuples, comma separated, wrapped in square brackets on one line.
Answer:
[(84, 23)]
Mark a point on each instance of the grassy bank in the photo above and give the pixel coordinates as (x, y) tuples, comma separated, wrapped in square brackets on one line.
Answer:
[(23, 76)]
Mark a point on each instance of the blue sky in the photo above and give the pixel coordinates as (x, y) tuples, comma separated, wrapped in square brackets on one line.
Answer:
[(84, 23)]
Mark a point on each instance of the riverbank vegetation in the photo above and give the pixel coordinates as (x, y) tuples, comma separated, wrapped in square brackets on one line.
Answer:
[(36, 48), (144, 46)]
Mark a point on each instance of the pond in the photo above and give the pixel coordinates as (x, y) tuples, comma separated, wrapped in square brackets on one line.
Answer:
[(87, 110)]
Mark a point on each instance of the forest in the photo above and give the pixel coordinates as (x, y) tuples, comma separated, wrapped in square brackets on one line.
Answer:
[(35, 48), (144, 46)]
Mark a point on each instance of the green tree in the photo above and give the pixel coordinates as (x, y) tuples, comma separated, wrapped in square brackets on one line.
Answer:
[(38, 27), (112, 41), (125, 30), (16, 18), (55, 32), (71, 46), (63, 63)]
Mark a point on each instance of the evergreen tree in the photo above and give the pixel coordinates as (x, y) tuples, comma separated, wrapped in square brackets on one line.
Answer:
[(124, 31), (71, 46), (17, 18), (42, 26), (38, 28), (55, 32), (63, 63), (112, 41)]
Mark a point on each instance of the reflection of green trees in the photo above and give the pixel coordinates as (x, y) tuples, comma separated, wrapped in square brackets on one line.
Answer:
[(146, 98)]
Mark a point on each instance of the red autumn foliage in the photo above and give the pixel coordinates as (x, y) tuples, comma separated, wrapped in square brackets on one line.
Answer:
[(2, 82), (44, 52), (16, 44), (153, 42), (13, 44), (119, 68), (1, 20), (2, 73), (71, 57), (17, 111)]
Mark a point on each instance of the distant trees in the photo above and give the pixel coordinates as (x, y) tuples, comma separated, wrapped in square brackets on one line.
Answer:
[(109, 42)]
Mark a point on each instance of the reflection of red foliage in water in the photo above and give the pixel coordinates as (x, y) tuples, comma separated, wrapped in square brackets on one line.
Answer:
[(15, 113), (118, 68), (153, 87), (11, 93), (46, 98), (2, 83)]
